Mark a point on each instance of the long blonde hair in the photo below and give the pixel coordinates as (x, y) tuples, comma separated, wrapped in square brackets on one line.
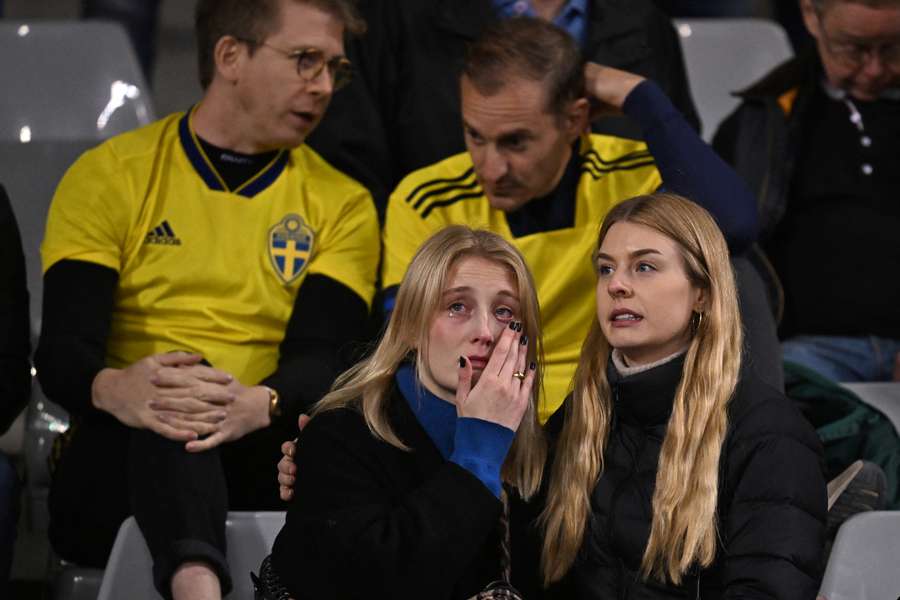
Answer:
[(683, 529), (366, 386)]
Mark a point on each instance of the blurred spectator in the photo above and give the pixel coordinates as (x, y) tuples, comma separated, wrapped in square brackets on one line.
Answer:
[(787, 12), (201, 275), (532, 175), (401, 112), (15, 371), (818, 139), (707, 8), (140, 19)]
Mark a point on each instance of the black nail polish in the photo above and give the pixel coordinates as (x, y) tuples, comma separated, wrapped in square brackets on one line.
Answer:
[(512, 325), (462, 362), (523, 340), (532, 366), (519, 326)]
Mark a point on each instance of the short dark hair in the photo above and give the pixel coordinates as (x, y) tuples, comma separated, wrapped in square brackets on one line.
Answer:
[(530, 48), (254, 20)]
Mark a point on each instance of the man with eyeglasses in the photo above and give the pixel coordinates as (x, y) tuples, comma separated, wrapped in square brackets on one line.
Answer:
[(819, 140), (201, 276)]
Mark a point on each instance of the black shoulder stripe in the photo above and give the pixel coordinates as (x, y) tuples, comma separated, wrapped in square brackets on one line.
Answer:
[(433, 182), (595, 157), (598, 172), (600, 163), (460, 187), (452, 200), (635, 158)]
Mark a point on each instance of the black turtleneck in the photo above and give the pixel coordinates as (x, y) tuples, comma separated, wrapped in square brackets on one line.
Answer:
[(645, 399), (236, 168), (554, 211)]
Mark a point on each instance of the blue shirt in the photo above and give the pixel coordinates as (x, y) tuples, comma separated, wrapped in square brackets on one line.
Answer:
[(573, 16), (476, 445)]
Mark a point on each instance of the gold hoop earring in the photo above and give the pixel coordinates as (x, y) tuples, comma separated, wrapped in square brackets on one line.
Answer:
[(696, 322)]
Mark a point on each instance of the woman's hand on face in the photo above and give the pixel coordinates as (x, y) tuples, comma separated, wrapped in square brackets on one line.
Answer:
[(498, 396)]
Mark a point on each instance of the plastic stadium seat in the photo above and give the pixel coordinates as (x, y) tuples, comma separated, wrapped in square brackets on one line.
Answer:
[(76, 583), (883, 395), (863, 562), (249, 536), (69, 80), (727, 55), (69, 85)]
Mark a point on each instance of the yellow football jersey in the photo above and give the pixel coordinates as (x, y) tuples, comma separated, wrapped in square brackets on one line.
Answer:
[(611, 170), (201, 267)]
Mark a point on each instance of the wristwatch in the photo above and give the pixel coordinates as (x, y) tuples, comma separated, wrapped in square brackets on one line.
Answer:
[(274, 403)]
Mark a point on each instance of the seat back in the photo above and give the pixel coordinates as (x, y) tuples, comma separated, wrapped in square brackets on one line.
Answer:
[(249, 537), (724, 56), (70, 84), (69, 80), (863, 561)]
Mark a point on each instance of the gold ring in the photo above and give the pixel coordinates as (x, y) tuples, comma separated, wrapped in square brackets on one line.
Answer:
[(519, 375)]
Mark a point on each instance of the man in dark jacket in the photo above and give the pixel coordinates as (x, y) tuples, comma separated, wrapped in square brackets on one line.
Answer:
[(401, 113), (818, 139), (15, 377)]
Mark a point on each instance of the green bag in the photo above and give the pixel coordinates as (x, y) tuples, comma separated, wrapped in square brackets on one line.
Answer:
[(849, 428)]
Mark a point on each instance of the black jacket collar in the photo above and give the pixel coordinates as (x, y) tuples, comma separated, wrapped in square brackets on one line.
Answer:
[(804, 70), (645, 399)]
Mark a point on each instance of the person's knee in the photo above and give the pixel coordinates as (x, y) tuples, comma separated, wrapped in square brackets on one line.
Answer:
[(810, 352)]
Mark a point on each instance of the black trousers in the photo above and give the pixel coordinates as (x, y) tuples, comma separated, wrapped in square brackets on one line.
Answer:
[(180, 500)]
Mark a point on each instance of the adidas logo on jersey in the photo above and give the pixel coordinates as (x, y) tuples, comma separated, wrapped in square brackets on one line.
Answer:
[(162, 234)]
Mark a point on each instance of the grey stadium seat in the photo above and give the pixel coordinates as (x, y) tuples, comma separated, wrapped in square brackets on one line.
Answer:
[(863, 562), (727, 55), (249, 536)]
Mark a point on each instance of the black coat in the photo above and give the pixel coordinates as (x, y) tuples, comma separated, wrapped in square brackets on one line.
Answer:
[(772, 499), (15, 342), (402, 110), (371, 521)]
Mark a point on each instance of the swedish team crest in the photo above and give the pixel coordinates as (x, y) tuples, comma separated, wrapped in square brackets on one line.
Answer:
[(290, 247)]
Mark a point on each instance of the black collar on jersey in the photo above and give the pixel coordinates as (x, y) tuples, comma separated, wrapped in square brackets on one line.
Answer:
[(207, 171), (554, 211), (235, 168)]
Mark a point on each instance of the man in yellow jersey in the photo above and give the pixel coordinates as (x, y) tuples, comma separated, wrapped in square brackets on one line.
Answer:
[(531, 174), (201, 275)]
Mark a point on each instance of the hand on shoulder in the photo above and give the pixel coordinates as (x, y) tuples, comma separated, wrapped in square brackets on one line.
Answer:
[(608, 88)]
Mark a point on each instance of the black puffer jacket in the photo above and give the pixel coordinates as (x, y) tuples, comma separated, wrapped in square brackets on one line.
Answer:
[(772, 502)]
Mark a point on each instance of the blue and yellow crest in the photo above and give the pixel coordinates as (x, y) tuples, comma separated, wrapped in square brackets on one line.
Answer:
[(290, 247)]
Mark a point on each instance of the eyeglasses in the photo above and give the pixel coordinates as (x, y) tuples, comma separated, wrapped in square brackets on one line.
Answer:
[(855, 54), (311, 62)]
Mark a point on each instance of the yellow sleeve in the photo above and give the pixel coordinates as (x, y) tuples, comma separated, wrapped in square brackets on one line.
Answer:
[(349, 250), (91, 215), (404, 231)]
